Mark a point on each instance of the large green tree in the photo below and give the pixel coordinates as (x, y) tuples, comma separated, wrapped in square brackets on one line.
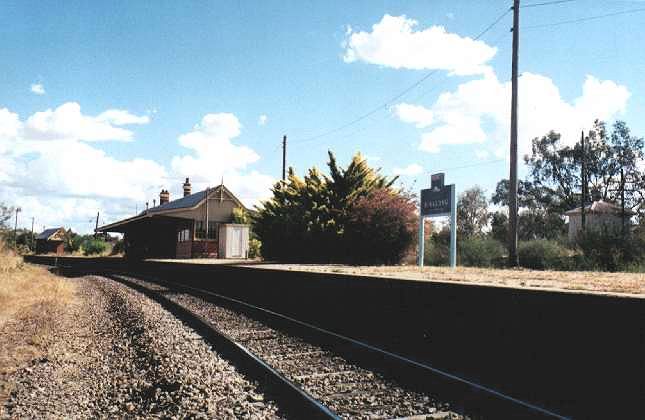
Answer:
[(472, 212), (308, 218)]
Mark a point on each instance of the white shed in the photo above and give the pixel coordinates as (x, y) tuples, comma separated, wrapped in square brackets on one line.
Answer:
[(599, 214), (233, 240)]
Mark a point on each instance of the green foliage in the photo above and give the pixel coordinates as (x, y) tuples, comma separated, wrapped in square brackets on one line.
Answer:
[(480, 252), (609, 250), (94, 246), (542, 254), (118, 247), (74, 241), (437, 248), (307, 219), (472, 212), (255, 248), (241, 216)]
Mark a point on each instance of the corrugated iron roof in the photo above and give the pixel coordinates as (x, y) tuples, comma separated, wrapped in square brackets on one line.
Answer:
[(187, 202), (45, 234)]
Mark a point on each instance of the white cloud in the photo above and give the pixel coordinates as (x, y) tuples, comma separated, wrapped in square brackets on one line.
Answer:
[(214, 155), (48, 168), (418, 115), (478, 111), (410, 170), (263, 119), (394, 42), (37, 88), (68, 123), (121, 117)]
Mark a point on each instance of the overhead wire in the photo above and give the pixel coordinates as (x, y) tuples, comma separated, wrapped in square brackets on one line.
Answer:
[(585, 19), (395, 97), (546, 3)]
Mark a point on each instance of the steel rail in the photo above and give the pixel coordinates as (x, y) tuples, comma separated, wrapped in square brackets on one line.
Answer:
[(290, 397), (466, 397)]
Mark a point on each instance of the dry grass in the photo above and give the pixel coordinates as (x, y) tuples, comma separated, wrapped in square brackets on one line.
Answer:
[(31, 299), (581, 281)]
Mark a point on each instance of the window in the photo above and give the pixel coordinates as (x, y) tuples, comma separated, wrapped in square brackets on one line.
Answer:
[(183, 235), (200, 230)]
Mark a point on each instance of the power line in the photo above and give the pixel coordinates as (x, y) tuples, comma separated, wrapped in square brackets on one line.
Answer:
[(585, 19), (546, 3), (395, 97)]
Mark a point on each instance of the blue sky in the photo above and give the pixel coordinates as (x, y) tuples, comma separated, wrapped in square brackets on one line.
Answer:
[(104, 104)]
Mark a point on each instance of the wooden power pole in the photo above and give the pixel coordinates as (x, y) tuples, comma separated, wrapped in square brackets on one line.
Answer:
[(583, 177), (513, 207), (284, 157), (96, 225)]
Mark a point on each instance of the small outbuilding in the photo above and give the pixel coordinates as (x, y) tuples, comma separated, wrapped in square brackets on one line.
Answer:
[(198, 225), (598, 215), (51, 241)]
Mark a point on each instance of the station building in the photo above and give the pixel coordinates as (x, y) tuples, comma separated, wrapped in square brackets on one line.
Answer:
[(198, 225), (51, 241)]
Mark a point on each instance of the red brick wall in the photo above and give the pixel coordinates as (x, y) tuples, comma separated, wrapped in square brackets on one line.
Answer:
[(184, 249), (205, 249)]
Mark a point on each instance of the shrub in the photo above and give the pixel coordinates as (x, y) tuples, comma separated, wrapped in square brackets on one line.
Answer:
[(609, 250), (118, 248), (381, 228), (94, 247), (437, 248), (480, 252), (255, 247), (542, 254)]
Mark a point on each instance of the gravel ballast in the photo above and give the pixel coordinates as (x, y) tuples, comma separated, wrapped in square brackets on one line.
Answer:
[(348, 389), (119, 354)]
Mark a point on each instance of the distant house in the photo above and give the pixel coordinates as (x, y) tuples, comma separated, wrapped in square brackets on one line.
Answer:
[(51, 241), (197, 225), (598, 215)]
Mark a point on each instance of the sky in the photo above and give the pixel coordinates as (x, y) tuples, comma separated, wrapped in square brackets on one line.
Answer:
[(103, 104)]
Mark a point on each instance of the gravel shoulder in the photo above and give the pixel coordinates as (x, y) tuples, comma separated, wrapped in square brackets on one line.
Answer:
[(116, 353)]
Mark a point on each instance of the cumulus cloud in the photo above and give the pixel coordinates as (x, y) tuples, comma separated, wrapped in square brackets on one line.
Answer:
[(477, 111), (263, 119), (68, 123), (215, 155), (395, 42), (418, 115), (37, 88), (410, 170), (49, 169)]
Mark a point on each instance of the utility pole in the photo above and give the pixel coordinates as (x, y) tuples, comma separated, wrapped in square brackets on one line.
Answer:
[(583, 177), (33, 239), (96, 225), (284, 156), (513, 207), (15, 229)]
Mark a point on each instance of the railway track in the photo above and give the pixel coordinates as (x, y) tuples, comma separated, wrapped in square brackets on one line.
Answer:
[(319, 374)]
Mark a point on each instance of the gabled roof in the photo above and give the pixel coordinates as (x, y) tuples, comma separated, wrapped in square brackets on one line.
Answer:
[(185, 203), (600, 207), (48, 233)]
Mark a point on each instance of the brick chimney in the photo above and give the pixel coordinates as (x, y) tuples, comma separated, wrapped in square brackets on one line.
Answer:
[(187, 187), (164, 197)]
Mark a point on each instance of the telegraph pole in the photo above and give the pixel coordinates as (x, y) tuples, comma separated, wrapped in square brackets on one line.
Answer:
[(513, 207), (583, 176), (284, 156), (33, 243), (15, 229), (96, 226)]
